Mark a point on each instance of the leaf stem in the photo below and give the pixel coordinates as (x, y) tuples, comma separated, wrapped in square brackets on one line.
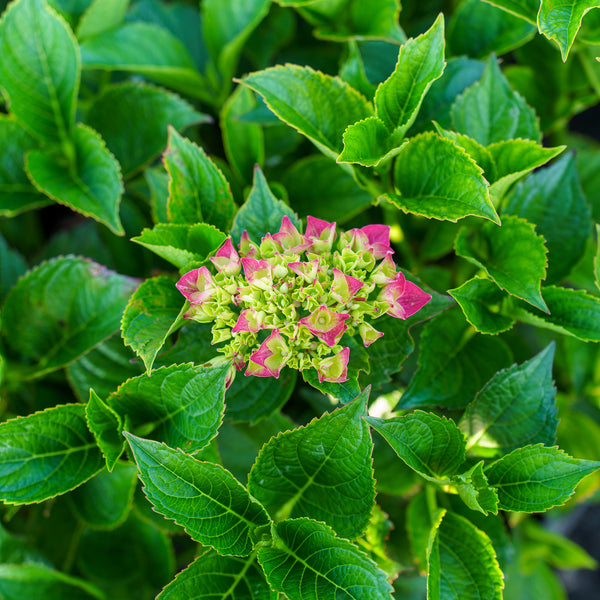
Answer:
[(73, 547)]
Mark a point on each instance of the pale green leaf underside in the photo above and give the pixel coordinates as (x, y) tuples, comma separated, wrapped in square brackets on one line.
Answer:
[(101, 16), (308, 562), (202, 497), (106, 426), (472, 486), (46, 454)]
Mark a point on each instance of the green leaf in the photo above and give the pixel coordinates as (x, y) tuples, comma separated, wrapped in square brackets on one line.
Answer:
[(453, 364), (516, 408), (101, 16), (202, 497), (132, 118), (15, 550), (104, 501), (513, 255), (572, 312), (308, 562), (94, 188), (472, 486), (106, 426), (560, 20), (462, 561), (536, 478), (480, 300), (17, 194), (148, 50), (553, 201), (198, 191), (215, 577), (497, 31), (12, 266), (436, 178), (261, 213), (316, 469), (31, 581), (157, 179), (422, 521), (62, 309), (183, 245), (490, 111), (526, 9), (317, 105), (597, 258), (181, 405), (46, 454), (432, 446), (150, 317), (36, 41)]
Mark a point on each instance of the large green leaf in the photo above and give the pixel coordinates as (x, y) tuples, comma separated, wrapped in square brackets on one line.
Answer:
[(433, 446), (462, 563), (46, 454), (308, 562), (434, 177), (261, 213), (552, 200), (148, 50), (17, 193), (473, 488), (317, 105), (132, 118), (560, 20), (536, 478), (93, 188), (202, 497), (514, 409), (39, 70), (12, 266), (101, 16), (33, 581), (150, 317), (106, 426), (490, 111), (215, 577), (62, 309), (181, 405), (198, 191), (526, 9), (513, 255), (317, 469)]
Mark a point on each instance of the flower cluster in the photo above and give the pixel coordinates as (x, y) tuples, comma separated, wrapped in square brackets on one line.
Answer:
[(289, 300)]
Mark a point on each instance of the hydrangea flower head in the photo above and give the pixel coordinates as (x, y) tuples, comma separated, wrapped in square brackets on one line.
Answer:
[(291, 299)]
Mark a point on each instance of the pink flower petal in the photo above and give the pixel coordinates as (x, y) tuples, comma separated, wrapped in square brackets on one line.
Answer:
[(197, 285), (327, 325), (247, 321), (404, 298), (319, 234), (344, 286), (379, 239), (335, 368), (272, 354), (258, 273), (226, 259)]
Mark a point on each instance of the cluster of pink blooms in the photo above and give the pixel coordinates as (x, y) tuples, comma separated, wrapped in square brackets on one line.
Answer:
[(289, 300)]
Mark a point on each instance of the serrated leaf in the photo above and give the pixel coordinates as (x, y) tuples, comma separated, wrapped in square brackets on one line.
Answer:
[(472, 486), (106, 426), (572, 312), (30, 581), (132, 118), (62, 309), (480, 300), (215, 577), (513, 255), (198, 191), (101, 16), (552, 199), (183, 245), (46, 454), (490, 111), (148, 50), (536, 478), (516, 408), (158, 182), (560, 20), (36, 41), (318, 106), (181, 405), (150, 317), (202, 497), (453, 365), (308, 562), (316, 469), (94, 188), (432, 446), (261, 213), (462, 561), (104, 501), (17, 193), (436, 178)]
